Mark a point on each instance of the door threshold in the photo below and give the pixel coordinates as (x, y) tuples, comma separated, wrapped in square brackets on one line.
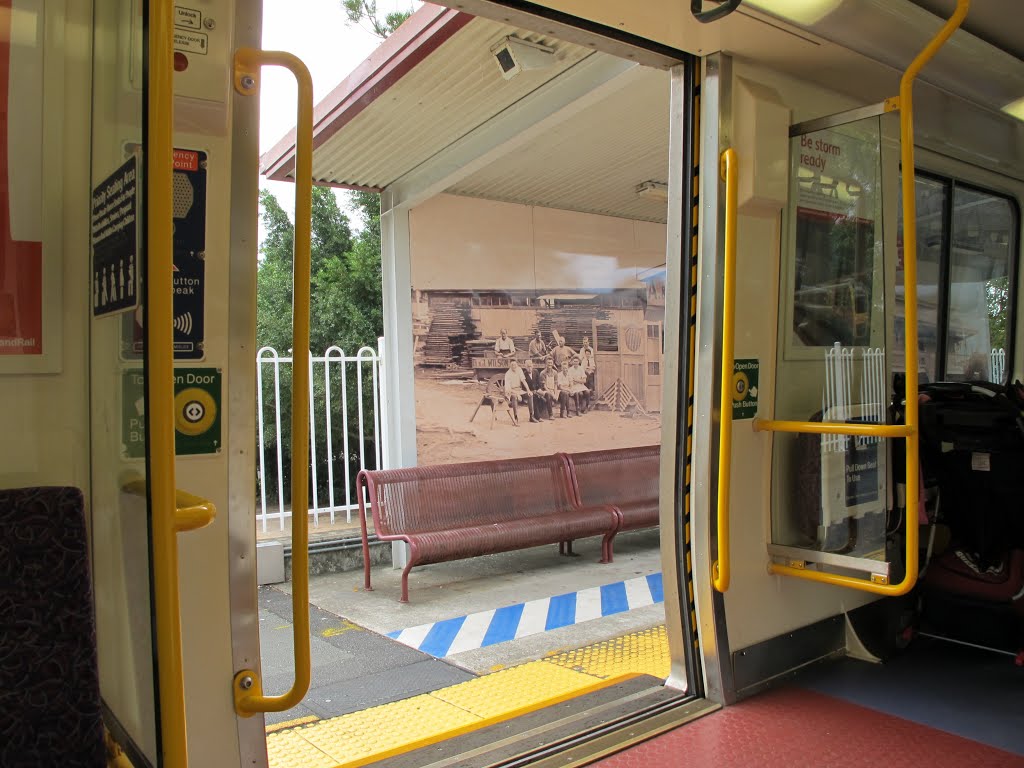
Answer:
[(571, 733)]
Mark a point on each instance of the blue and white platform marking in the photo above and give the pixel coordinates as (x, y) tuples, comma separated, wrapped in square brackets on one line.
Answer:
[(479, 630)]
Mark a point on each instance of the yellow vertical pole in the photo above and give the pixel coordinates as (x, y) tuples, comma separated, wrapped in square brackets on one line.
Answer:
[(720, 570), (159, 151), (910, 273)]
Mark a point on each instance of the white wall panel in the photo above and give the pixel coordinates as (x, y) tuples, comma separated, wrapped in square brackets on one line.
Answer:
[(461, 243)]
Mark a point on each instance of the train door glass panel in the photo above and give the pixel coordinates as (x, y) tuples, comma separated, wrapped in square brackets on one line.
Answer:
[(120, 535), (831, 491)]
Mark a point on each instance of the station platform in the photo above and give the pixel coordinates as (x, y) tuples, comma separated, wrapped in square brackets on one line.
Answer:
[(482, 641)]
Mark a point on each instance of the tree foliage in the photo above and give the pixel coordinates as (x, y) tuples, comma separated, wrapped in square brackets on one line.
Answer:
[(997, 297), (345, 310), (361, 12)]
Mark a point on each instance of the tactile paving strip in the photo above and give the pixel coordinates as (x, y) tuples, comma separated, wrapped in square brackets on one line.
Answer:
[(379, 732), (643, 652)]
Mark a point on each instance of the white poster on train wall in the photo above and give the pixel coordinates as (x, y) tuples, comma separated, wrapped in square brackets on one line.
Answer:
[(29, 274)]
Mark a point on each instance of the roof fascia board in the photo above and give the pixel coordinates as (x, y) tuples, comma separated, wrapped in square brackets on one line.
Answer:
[(573, 29), (422, 34), (561, 98)]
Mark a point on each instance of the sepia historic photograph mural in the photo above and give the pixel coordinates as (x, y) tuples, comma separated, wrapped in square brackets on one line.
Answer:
[(520, 370)]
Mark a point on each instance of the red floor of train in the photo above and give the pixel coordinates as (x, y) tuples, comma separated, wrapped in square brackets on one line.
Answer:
[(797, 727)]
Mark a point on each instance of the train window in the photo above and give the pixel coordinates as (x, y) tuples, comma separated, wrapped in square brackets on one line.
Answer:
[(966, 239)]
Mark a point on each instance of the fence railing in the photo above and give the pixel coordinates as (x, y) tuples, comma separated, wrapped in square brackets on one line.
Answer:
[(997, 365), (345, 430)]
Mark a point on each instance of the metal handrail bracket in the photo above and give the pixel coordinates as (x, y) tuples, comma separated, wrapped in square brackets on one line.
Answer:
[(247, 685), (909, 429)]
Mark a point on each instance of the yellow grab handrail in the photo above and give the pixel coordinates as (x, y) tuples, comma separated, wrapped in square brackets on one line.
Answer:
[(908, 429), (248, 689), (160, 383), (720, 572), (832, 428), (191, 512)]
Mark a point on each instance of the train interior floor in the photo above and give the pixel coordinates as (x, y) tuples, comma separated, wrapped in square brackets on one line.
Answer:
[(937, 704)]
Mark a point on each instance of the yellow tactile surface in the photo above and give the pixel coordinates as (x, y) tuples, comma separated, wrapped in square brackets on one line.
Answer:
[(639, 653), (379, 732)]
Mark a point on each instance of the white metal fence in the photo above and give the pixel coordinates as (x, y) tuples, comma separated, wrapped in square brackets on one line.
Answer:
[(838, 397), (345, 430), (997, 365)]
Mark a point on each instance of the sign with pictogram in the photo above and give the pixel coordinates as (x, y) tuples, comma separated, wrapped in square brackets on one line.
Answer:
[(189, 279), (115, 242), (197, 422), (744, 388)]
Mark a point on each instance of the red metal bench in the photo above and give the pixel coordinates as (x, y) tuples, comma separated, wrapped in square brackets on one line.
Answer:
[(456, 511), (626, 478)]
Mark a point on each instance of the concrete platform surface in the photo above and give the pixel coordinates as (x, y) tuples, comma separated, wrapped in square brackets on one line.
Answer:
[(356, 666)]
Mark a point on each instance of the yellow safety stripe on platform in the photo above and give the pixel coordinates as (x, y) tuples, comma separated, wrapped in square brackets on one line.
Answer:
[(644, 653), (377, 733)]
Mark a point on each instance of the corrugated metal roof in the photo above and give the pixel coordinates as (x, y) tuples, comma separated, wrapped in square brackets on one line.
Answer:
[(594, 161), (457, 88)]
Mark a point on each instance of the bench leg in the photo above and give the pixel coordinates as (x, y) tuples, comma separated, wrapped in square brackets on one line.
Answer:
[(405, 579), (606, 548), (565, 548)]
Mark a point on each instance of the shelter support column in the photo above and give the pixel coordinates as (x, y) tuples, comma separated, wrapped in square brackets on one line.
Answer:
[(399, 396)]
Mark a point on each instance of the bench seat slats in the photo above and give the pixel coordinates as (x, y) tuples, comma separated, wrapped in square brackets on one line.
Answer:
[(441, 546), (455, 511), (627, 478)]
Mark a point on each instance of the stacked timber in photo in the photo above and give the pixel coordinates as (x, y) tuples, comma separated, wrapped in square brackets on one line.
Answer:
[(450, 328)]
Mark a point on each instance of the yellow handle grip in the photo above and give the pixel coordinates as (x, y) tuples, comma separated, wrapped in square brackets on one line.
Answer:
[(248, 689), (720, 573)]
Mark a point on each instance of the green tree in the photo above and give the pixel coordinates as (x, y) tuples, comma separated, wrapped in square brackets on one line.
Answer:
[(365, 11), (345, 311), (997, 296)]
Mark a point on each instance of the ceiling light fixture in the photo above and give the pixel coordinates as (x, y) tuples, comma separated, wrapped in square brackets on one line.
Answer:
[(1015, 108), (803, 12), (656, 191)]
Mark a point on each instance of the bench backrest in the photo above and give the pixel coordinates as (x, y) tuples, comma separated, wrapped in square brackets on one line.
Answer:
[(446, 496), (616, 476)]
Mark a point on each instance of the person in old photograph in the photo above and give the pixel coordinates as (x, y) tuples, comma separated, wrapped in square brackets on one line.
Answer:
[(538, 349), (563, 383), (504, 346), (589, 368), (546, 391), (586, 346), (561, 353), (578, 391), (534, 379), (517, 389)]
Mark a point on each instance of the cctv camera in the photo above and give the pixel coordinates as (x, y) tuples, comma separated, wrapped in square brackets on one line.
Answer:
[(514, 56)]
